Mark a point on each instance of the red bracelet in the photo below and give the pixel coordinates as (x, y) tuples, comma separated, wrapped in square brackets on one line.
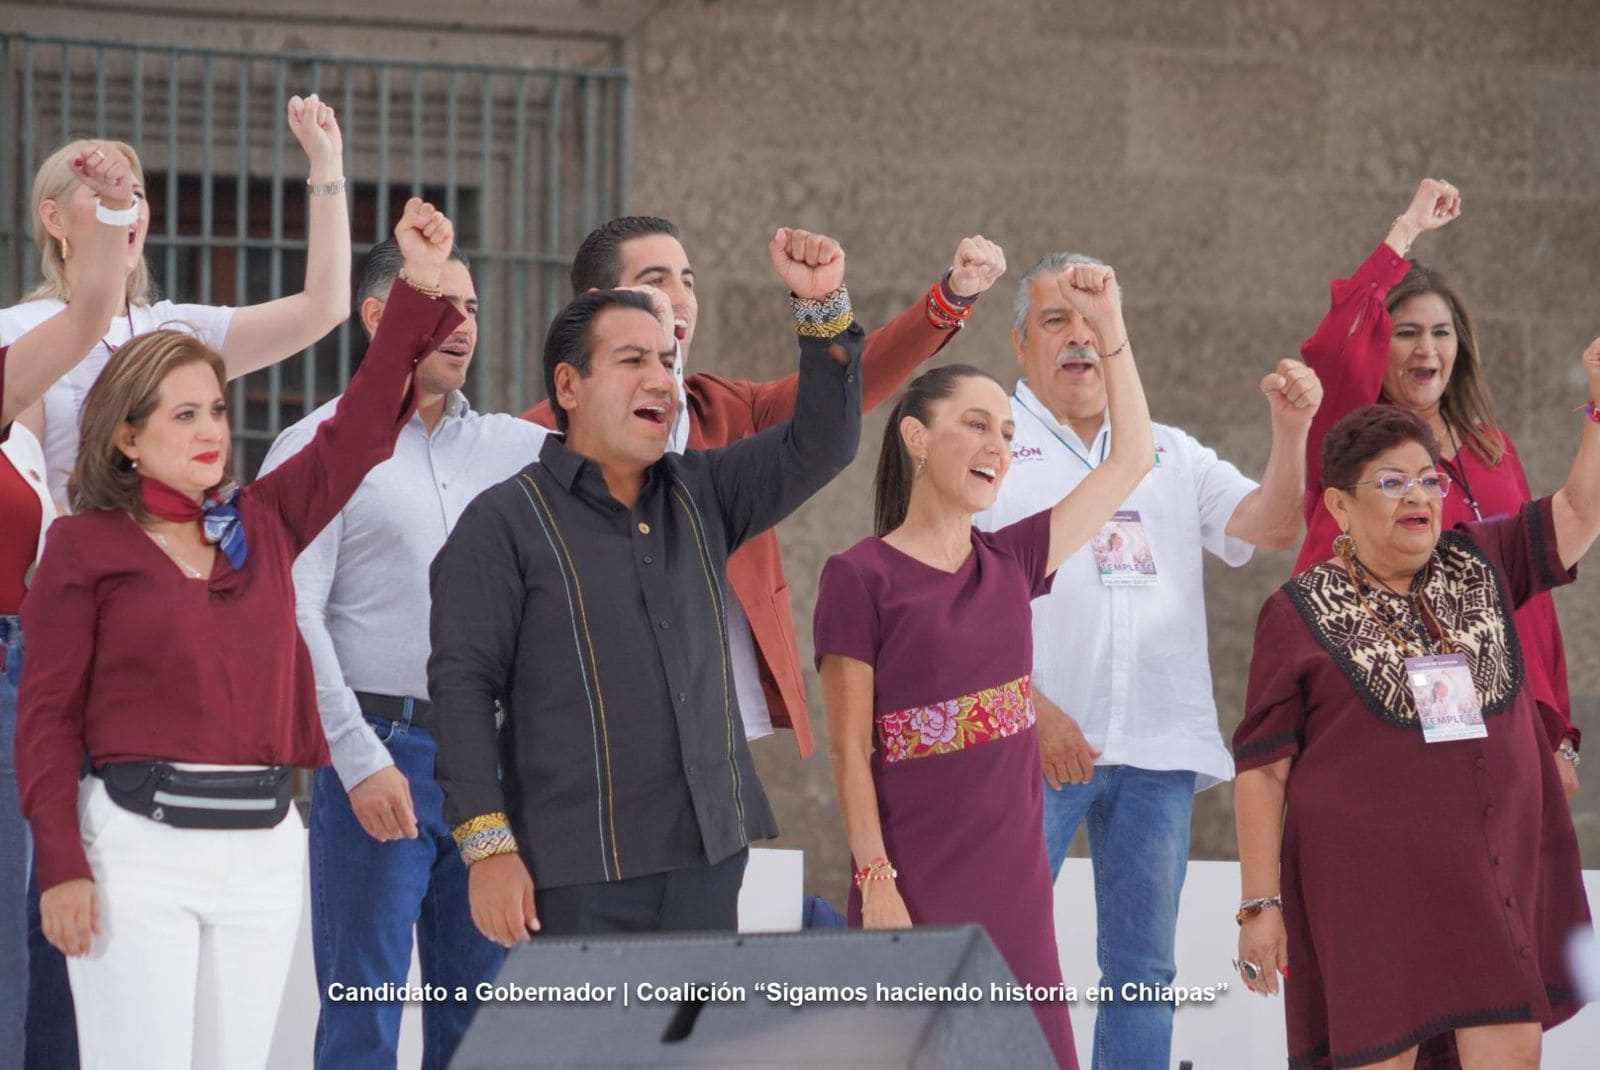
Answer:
[(941, 315), (1590, 411), (878, 869), (946, 306)]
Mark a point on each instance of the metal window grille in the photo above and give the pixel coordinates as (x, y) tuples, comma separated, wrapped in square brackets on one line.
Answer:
[(525, 161)]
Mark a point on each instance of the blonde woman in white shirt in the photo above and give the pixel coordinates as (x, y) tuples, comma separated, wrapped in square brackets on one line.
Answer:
[(248, 338)]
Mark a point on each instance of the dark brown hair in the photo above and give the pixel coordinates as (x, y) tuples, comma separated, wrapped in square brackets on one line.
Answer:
[(892, 487), (598, 263), (1467, 407), (126, 393), (1367, 432)]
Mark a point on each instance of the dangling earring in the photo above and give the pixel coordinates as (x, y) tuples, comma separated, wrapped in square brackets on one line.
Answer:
[(921, 464), (66, 249), (134, 464), (1344, 547)]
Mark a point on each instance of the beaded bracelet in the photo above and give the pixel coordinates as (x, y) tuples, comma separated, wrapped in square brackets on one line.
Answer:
[(483, 837), (827, 316), (878, 869)]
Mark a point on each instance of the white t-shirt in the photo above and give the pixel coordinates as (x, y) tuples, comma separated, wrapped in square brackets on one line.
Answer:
[(1130, 664), (64, 400)]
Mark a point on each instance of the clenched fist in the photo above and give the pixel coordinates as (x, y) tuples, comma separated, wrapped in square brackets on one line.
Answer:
[(978, 265), (1294, 392), (1435, 203), (1092, 291), (811, 265), (425, 236)]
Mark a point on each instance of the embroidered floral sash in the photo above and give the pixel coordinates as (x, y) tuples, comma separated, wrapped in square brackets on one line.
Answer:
[(958, 723)]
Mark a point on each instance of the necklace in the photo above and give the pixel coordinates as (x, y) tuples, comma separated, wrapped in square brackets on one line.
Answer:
[(1415, 622), (188, 569)]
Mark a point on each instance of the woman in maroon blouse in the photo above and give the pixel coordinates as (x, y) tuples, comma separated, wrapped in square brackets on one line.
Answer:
[(1398, 332), (924, 641), (162, 642), (1413, 862)]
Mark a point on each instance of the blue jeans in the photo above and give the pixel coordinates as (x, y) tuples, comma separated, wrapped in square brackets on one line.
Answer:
[(35, 1000), (1139, 846), (365, 898)]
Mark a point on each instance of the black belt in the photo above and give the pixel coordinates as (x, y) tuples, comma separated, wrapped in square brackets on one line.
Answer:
[(393, 708)]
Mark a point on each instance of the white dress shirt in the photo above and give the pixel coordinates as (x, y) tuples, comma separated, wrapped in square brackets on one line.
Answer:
[(1130, 664), (361, 587)]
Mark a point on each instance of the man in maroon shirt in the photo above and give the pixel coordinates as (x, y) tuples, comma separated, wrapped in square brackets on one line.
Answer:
[(645, 250)]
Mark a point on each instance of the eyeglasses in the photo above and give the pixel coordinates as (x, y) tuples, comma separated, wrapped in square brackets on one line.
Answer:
[(1434, 484)]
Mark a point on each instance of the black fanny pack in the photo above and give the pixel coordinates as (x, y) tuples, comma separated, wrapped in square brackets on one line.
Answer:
[(191, 799)]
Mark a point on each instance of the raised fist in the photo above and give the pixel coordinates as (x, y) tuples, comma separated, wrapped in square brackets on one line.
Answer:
[(107, 173), (1092, 291), (1294, 392), (978, 264), (1433, 205), (811, 265), (316, 128), (1591, 366), (425, 236)]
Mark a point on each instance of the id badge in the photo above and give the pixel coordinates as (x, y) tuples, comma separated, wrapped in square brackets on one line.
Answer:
[(1122, 552), (1447, 702)]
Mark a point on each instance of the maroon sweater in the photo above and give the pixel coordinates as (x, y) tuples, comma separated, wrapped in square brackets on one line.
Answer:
[(131, 660)]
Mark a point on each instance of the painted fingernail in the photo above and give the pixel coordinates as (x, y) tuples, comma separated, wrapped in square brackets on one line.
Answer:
[(77, 161), (1285, 971)]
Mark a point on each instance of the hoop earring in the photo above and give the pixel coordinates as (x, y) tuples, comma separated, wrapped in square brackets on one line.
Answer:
[(1344, 547)]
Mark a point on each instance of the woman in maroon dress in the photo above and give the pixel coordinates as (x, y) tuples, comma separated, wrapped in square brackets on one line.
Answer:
[(923, 639), (1398, 332), (1424, 877)]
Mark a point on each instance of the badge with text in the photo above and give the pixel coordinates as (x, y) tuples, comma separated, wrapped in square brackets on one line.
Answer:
[(1447, 703), (1122, 552)]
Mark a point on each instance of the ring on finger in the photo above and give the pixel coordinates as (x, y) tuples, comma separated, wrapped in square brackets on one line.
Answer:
[(1249, 970), (97, 155)]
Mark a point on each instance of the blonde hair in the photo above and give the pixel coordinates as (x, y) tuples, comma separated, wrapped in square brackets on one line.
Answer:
[(55, 181), (126, 394)]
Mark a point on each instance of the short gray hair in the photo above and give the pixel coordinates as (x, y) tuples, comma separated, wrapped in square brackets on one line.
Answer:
[(1022, 304)]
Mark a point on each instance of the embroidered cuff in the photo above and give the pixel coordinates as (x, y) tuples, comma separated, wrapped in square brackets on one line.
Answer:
[(483, 837), (822, 317)]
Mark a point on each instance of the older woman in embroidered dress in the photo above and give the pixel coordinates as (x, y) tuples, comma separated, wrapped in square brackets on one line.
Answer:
[(1424, 876), (924, 644)]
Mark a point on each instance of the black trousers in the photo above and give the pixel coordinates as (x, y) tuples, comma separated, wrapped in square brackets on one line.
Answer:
[(698, 899)]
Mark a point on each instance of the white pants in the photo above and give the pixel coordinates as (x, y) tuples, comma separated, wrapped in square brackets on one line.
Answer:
[(197, 929)]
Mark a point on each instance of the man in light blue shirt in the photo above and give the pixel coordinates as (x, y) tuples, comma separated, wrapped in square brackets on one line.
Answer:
[(382, 859)]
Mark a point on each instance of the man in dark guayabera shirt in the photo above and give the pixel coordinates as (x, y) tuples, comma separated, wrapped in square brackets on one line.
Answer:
[(585, 596)]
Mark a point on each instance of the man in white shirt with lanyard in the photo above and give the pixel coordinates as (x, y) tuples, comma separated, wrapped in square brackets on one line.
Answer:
[(1121, 679)]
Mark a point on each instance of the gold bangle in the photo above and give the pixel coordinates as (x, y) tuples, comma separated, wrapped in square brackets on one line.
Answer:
[(425, 290)]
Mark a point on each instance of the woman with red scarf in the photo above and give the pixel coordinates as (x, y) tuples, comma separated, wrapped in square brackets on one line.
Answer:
[(162, 642)]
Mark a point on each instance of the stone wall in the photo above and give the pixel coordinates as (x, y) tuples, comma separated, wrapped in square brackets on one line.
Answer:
[(1229, 158)]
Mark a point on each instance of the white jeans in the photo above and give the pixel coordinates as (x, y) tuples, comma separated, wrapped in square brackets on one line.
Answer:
[(197, 929)]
